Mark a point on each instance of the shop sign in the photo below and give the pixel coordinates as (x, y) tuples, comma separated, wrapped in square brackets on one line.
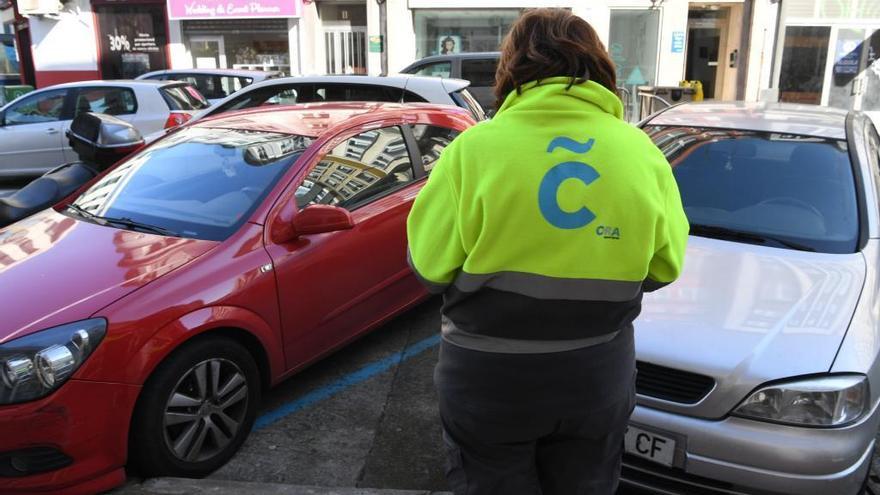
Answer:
[(848, 56), (376, 44), (678, 42), (233, 9)]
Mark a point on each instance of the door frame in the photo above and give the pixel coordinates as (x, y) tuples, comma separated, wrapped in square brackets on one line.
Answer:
[(221, 48)]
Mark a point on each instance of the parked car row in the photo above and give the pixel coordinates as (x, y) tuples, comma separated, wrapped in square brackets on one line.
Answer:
[(33, 127)]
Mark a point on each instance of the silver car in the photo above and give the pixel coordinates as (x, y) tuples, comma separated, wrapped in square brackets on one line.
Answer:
[(214, 84), (758, 369), (311, 89), (33, 126)]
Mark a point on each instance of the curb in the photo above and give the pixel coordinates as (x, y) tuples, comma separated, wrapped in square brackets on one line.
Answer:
[(185, 486)]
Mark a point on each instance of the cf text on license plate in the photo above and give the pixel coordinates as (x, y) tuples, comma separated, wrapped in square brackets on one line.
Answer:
[(649, 445)]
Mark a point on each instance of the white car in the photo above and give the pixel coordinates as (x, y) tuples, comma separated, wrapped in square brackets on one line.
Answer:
[(403, 88), (759, 369), (214, 84), (33, 126)]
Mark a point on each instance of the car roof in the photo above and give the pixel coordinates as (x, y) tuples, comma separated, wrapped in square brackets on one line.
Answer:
[(314, 119), (782, 118), (464, 55), (401, 81), (126, 83), (254, 74)]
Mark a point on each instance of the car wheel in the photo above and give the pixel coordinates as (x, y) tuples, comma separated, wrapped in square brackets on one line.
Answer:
[(196, 410)]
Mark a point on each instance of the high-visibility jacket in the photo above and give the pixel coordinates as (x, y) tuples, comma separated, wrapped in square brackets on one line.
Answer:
[(543, 226)]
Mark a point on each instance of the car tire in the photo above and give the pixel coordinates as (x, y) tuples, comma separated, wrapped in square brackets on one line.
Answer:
[(195, 410)]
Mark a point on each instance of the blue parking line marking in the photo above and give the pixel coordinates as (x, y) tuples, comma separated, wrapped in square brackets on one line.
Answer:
[(359, 376)]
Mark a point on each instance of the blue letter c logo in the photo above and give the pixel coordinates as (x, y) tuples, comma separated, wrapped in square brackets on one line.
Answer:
[(547, 195)]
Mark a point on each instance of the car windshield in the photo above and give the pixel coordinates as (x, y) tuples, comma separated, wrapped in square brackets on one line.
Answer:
[(775, 189), (198, 182)]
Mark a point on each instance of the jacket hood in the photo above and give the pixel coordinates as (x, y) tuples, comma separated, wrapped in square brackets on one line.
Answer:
[(56, 269), (746, 315), (557, 93)]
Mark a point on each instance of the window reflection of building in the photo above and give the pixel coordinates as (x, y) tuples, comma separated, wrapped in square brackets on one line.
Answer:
[(30, 237), (358, 168), (432, 140)]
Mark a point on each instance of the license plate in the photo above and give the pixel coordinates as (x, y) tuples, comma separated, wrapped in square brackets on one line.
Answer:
[(651, 446)]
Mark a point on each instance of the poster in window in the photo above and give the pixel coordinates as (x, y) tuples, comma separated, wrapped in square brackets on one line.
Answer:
[(449, 44), (133, 40)]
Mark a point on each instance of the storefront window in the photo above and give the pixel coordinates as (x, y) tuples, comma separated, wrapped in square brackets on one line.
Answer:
[(239, 44), (802, 73), (633, 47), (442, 32), (133, 39)]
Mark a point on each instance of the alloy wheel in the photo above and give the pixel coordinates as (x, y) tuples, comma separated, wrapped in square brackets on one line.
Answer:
[(205, 410)]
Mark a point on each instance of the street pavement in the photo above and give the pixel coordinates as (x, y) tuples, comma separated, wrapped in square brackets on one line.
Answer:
[(360, 422), (365, 417)]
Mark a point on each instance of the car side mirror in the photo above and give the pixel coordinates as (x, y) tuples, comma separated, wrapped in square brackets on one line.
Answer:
[(318, 219), (315, 219)]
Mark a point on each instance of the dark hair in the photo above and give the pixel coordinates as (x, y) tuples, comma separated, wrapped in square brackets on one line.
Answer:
[(552, 42)]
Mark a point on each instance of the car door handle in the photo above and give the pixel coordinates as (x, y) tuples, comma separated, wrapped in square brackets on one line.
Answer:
[(51, 131)]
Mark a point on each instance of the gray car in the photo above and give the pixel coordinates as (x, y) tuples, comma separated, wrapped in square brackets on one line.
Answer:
[(477, 67), (758, 369), (33, 126), (214, 84), (310, 89)]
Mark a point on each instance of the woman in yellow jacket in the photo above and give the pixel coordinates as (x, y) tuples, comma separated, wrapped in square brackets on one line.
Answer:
[(542, 228)]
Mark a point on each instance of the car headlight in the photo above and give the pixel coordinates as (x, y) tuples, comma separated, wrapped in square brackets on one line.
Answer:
[(835, 400), (34, 366)]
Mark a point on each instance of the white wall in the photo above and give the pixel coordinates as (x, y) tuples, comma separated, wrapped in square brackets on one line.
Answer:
[(180, 59), (374, 60), (294, 44), (401, 36), (312, 41), (67, 43), (670, 66), (761, 48)]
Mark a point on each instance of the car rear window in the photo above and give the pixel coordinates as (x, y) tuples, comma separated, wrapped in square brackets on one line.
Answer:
[(777, 189), (480, 72), (183, 97), (466, 100), (292, 94)]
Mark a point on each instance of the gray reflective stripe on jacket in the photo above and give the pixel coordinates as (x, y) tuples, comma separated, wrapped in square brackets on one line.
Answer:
[(544, 287), (485, 343)]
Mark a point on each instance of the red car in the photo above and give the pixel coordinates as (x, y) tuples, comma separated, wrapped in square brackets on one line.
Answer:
[(141, 320)]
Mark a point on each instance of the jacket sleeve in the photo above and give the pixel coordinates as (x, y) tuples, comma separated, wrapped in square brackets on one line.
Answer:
[(435, 251), (671, 241)]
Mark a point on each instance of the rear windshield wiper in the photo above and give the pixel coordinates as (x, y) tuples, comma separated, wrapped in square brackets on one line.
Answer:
[(741, 235), (124, 221)]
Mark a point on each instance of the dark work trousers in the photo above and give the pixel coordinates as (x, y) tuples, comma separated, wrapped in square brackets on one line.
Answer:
[(527, 424)]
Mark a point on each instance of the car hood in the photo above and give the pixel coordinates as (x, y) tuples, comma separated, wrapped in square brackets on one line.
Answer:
[(746, 314), (56, 269)]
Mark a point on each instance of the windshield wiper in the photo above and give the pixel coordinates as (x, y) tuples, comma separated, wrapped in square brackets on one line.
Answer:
[(86, 214), (124, 221), (741, 235), (134, 224)]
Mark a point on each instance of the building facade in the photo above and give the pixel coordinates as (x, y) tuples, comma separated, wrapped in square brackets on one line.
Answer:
[(828, 53)]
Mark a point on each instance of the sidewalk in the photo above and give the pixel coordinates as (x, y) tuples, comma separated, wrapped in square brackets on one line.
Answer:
[(181, 486)]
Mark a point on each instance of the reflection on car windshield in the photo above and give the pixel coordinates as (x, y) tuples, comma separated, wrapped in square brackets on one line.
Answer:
[(198, 182), (788, 190)]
